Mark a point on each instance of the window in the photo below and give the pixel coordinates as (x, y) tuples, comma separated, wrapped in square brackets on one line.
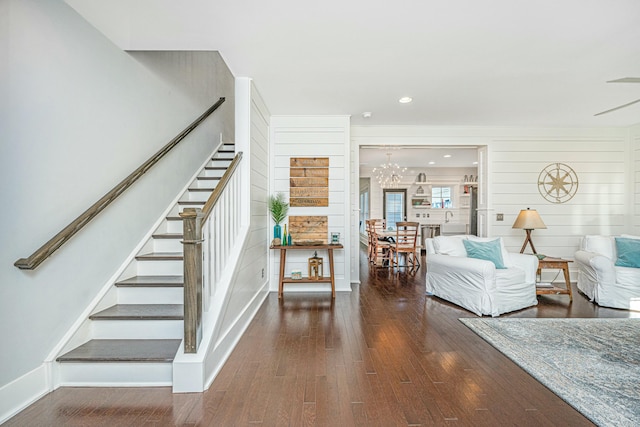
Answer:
[(441, 197), (394, 207)]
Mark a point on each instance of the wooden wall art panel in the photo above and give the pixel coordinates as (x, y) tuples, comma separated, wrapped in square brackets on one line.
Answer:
[(309, 229), (309, 181)]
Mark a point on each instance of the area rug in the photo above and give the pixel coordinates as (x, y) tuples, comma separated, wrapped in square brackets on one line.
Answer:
[(592, 364)]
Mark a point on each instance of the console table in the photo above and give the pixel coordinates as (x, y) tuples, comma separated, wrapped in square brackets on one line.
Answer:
[(558, 264), (325, 279)]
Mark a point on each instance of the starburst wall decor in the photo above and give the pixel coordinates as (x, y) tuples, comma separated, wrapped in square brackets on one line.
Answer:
[(558, 183)]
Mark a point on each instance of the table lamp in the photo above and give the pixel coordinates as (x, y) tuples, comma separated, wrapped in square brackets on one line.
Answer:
[(528, 219)]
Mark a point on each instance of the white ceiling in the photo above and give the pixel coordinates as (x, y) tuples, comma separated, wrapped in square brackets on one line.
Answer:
[(464, 62)]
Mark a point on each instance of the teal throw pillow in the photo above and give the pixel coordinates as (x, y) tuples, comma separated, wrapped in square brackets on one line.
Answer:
[(628, 252), (488, 251)]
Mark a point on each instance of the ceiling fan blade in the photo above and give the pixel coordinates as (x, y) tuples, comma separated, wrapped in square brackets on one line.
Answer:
[(626, 80), (617, 108)]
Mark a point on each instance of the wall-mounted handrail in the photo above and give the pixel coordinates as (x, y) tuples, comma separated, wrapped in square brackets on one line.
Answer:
[(45, 251), (194, 220)]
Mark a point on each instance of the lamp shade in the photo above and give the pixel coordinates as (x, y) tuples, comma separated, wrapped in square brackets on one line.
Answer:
[(529, 219)]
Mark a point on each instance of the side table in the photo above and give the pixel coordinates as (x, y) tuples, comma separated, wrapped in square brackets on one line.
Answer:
[(555, 264)]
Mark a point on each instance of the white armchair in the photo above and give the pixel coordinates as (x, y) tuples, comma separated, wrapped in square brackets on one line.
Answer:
[(476, 284), (601, 280)]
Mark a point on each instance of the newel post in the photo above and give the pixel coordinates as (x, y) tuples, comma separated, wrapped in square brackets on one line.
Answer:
[(192, 246)]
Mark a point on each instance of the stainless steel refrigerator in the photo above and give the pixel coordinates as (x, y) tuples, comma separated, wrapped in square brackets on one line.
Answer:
[(473, 210)]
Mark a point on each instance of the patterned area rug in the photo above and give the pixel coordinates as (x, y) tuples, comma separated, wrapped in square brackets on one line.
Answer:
[(592, 364)]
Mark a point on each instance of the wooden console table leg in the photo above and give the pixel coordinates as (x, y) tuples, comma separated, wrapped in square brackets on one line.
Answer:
[(283, 258), (567, 280), (333, 279)]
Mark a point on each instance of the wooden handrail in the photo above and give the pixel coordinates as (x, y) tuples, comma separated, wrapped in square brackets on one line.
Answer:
[(45, 251), (217, 192), (193, 220)]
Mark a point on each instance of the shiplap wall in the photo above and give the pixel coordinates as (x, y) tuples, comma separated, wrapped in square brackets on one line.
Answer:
[(601, 158), (250, 279), (599, 206), (309, 136)]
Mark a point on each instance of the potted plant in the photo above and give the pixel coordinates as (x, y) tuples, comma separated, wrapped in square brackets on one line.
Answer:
[(278, 208)]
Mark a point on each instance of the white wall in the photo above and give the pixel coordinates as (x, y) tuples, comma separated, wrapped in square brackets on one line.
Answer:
[(600, 157), (315, 136), (634, 186), (79, 116)]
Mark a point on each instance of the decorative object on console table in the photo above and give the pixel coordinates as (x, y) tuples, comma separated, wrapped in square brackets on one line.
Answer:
[(335, 238), (315, 267), (309, 230), (296, 274), (309, 181), (278, 208), (529, 220)]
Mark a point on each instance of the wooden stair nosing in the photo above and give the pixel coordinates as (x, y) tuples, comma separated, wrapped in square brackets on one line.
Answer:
[(123, 350), (161, 256), (190, 202), (141, 312), (200, 190), (168, 236), (152, 281), (208, 178)]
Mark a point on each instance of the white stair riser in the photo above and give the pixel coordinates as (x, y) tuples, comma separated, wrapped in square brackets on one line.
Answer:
[(167, 245), (137, 329), (213, 172), (174, 227), (115, 374), (149, 295), (160, 268), (209, 184), (229, 156), (200, 196)]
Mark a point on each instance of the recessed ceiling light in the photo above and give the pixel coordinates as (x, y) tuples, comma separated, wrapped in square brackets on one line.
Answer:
[(366, 115), (432, 162), (475, 163), (405, 100), (446, 156)]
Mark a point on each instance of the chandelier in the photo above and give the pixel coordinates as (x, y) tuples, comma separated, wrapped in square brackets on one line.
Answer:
[(389, 174)]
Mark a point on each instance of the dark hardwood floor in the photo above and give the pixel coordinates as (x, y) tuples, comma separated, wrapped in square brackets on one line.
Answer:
[(383, 355)]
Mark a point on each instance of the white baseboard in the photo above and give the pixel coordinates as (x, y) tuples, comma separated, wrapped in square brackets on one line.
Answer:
[(22, 392)]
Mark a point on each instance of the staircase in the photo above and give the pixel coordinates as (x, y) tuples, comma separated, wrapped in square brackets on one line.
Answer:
[(134, 341)]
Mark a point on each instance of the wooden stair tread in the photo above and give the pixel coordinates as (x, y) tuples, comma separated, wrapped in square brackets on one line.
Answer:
[(190, 203), (160, 256), (141, 312), (168, 236), (215, 168), (201, 190), (152, 281), (158, 350)]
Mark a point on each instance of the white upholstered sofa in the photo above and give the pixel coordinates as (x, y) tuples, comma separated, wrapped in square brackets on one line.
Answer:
[(476, 284), (600, 279)]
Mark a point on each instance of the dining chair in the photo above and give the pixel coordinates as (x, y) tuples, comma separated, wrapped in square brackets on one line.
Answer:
[(380, 249), (406, 244)]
